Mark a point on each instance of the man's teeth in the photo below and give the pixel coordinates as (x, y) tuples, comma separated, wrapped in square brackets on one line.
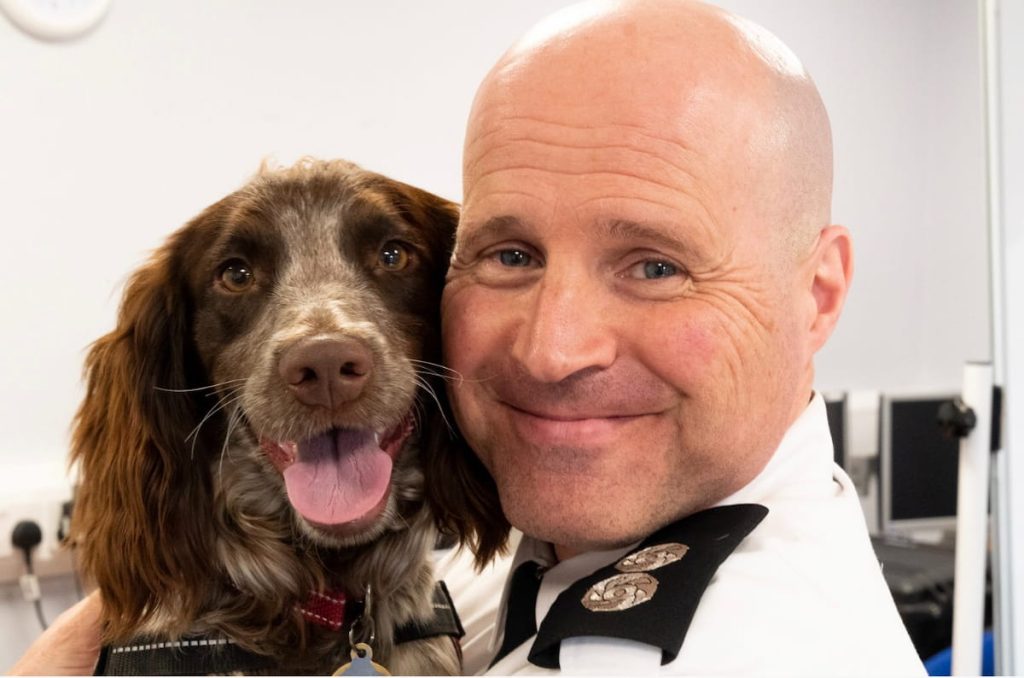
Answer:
[(376, 438)]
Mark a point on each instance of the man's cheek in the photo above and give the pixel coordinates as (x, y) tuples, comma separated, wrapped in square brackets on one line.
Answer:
[(469, 349), (456, 323), (474, 319), (684, 351)]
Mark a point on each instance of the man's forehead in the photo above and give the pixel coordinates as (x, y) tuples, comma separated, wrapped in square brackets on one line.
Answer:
[(685, 125), (599, 112)]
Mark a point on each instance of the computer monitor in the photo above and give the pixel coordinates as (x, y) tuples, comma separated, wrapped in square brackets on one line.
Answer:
[(917, 466), (835, 409)]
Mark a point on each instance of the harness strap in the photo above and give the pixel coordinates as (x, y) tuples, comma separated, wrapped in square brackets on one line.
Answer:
[(194, 656), (444, 622), (204, 655)]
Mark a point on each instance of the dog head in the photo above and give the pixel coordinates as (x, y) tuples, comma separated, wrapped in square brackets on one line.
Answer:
[(316, 322), (271, 368)]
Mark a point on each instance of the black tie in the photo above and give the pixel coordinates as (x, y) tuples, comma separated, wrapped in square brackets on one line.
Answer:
[(520, 610)]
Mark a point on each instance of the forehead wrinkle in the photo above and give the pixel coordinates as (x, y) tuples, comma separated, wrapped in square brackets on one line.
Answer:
[(514, 123), (616, 150), (665, 149), (685, 208), (564, 152), (577, 173)]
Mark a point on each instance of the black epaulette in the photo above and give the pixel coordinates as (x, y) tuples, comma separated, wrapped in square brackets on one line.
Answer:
[(649, 595)]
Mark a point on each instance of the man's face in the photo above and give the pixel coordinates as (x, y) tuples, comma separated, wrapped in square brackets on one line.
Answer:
[(629, 348)]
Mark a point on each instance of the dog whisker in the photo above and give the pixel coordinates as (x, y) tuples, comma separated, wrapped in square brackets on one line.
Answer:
[(438, 375), (436, 369), (229, 393), (458, 377), (430, 391), (200, 388), (220, 405), (236, 416), (428, 363), (214, 410)]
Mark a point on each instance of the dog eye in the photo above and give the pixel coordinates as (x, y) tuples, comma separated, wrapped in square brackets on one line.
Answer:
[(394, 256), (236, 276)]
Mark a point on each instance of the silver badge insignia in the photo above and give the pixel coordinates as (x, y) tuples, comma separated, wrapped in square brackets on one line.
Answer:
[(620, 592), (652, 557)]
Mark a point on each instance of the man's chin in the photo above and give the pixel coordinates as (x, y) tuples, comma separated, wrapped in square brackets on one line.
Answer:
[(569, 520)]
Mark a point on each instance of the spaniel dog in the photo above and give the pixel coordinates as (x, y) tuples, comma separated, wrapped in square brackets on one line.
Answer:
[(265, 431)]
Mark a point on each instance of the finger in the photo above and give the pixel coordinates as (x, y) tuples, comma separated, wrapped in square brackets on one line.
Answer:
[(70, 646)]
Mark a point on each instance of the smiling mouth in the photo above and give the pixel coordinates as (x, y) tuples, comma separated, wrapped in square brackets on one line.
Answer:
[(561, 429), (572, 416), (340, 476)]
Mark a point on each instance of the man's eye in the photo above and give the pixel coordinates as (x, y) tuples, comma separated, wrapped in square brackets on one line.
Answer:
[(514, 257), (653, 269)]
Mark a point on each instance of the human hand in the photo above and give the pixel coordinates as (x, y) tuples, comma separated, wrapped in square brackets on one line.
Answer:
[(69, 647)]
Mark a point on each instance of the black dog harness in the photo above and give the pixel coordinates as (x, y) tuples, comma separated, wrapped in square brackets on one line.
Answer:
[(204, 655)]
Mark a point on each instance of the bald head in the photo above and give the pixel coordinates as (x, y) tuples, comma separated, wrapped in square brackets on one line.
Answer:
[(643, 269), (720, 88)]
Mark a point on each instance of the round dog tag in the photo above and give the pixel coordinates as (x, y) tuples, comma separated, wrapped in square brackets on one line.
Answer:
[(362, 663)]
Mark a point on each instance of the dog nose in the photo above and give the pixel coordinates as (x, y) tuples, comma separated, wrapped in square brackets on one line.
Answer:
[(326, 371)]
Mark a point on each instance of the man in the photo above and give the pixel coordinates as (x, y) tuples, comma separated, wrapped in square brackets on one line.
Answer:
[(644, 269), (643, 273)]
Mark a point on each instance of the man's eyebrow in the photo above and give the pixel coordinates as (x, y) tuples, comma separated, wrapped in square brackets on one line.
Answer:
[(618, 229), (489, 229), (624, 229)]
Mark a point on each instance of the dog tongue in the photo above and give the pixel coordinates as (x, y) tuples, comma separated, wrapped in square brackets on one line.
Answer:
[(338, 477)]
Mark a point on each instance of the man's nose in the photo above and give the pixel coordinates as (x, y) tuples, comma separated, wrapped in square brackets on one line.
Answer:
[(566, 329)]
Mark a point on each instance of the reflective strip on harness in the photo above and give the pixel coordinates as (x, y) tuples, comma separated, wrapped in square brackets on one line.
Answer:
[(206, 655)]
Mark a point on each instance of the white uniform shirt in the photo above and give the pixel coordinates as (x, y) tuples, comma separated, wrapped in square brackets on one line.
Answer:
[(803, 594)]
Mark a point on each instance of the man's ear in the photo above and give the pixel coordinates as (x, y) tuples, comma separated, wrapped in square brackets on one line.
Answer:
[(832, 272)]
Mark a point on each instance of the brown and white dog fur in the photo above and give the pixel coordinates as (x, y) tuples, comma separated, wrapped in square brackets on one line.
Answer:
[(223, 366)]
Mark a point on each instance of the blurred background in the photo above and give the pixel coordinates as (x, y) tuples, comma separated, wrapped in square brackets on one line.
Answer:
[(111, 140)]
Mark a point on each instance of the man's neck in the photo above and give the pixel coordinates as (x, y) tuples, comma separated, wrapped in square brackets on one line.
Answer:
[(565, 552)]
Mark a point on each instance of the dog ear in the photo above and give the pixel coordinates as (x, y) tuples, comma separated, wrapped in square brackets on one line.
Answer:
[(139, 520), (462, 493), (459, 489)]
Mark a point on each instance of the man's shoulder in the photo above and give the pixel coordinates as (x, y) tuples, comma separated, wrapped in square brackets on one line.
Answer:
[(803, 593)]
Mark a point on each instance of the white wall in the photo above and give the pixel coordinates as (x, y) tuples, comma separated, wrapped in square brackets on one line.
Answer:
[(1010, 212), (109, 143)]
